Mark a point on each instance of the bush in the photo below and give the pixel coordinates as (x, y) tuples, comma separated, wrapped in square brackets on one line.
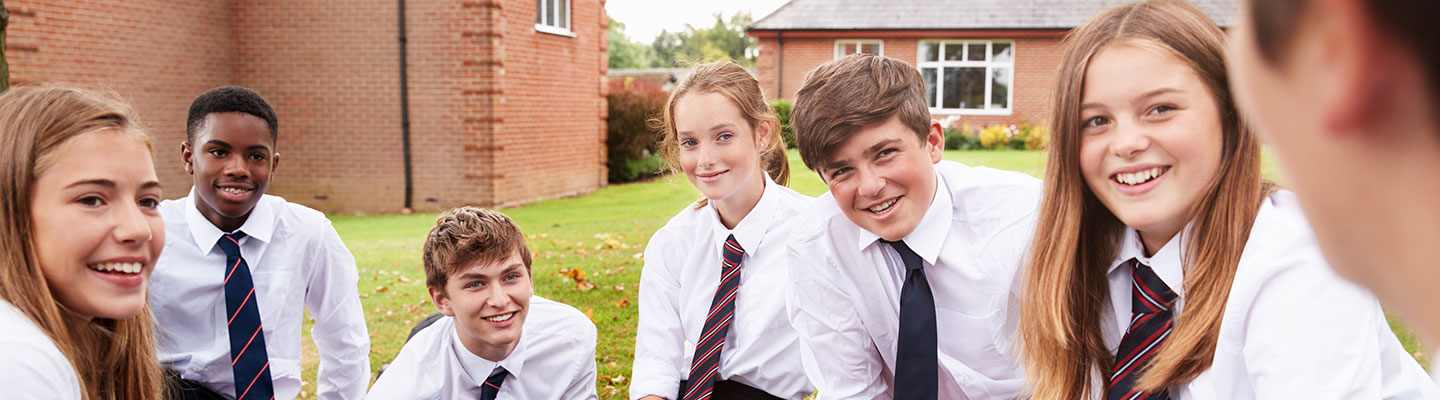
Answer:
[(995, 136), (961, 139), (782, 108), (629, 141)]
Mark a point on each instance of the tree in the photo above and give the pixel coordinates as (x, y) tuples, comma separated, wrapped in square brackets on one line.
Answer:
[(625, 53), (725, 39)]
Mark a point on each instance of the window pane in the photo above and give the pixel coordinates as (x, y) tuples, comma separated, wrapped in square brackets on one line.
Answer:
[(1000, 88), (953, 51), (976, 52), (562, 18), (929, 51), (964, 88), (870, 48), (550, 12), (929, 74), (539, 11), (1002, 52)]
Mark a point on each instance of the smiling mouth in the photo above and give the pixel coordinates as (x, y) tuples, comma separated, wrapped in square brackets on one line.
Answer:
[(1139, 177), (235, 190), (883, 206), (502, 317), (117, 268)]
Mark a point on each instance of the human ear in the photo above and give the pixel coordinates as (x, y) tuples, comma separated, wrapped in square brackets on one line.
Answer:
[(442, 302)]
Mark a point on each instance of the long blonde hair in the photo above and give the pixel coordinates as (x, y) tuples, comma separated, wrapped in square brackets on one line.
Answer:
[(734, 82), (114, 359), (1065, 283)]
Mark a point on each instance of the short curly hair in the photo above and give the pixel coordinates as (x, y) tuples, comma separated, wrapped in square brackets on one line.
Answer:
[(469, 235), (230, 99)]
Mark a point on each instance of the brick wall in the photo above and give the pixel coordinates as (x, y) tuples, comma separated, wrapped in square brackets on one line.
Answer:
[(1035, 62), (500, 114), (124, 47)]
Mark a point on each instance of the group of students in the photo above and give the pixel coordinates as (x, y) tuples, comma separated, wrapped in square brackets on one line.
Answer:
[(1152, 261)]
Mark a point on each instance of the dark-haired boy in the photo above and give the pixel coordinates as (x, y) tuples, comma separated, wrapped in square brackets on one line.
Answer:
[(240, 268), (905, 273), (1347, 92), (496, 340)]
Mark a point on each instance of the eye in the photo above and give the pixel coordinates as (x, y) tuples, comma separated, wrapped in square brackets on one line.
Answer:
[(1095, 122), (257, 157), (512, 277), (1161, 109), (472, 285), (219, 153), (725, 137), (839, 172), (150, 203), (687, 143), (887, 152), (92, 201)]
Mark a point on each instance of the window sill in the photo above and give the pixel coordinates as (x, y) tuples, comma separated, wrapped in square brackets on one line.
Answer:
[(553, 30)]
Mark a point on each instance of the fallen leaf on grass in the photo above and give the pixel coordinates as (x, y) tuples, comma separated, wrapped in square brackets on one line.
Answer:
[(381, 288), (623, 303), (639, 256), (584, 286), (618, 380), (619, 288)]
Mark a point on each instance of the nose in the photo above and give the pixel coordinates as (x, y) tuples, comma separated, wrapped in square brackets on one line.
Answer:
[(1129, 140), (495, 296), (131, 224), (235, 167), (871, 183), (704, 157)]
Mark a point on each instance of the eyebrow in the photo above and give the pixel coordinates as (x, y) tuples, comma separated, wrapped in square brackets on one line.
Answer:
[(508, 269), (717, 127), (872, 150), (1143, 97), (111, 184), (224, 144)]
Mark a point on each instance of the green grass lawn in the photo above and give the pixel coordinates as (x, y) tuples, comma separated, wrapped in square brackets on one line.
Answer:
[(601, 234)]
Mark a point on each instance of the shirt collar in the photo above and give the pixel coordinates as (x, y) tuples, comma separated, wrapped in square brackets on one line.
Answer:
[(259, 225), (1166, 262), (929, 234), (478, 368), (752, 228)]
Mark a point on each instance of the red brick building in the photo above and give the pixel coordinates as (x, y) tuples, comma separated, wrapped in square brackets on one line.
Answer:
[(505, 98), (984, 61)]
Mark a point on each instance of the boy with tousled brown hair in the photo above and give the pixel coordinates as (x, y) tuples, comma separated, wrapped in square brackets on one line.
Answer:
[(904, 245), (477, 272)]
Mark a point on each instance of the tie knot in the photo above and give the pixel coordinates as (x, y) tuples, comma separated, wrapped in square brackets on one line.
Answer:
[(732, 252), (912, 260), (230, 243), (1150, 293)]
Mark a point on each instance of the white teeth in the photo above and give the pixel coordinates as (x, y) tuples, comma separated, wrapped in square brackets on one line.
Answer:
[(1136, 178), (127, 268), (501, 318), (882, 207), (234, 190)]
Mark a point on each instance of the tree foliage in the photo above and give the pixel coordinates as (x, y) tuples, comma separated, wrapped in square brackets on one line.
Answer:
[(724, 39)]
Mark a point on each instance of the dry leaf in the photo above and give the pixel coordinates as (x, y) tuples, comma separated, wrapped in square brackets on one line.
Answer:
[(381, 288), (618, 380), (620, 288), (623, 303), (584, 286)]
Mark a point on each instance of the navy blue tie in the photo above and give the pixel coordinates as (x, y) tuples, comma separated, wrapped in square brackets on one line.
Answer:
[(248, 359), (1150, 323), (492, 385), (705, 366), (917, 360)]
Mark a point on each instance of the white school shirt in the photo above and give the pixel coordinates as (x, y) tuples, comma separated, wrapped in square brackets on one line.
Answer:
[(845, 296), (555, 359), (32, 367), (677, 287), (1292, 328), (297, 263)]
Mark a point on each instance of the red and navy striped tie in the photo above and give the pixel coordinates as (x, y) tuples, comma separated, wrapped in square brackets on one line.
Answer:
[(706, 364), (248, 359), (492, 384), (1150, 323)]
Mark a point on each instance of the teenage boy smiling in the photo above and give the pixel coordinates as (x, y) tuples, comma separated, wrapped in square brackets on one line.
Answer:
[(903, 247), (240, 268), (490, 344)]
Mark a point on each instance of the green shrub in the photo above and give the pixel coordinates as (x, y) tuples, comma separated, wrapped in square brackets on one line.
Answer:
[(782, 108), (629, 141), (960, 139), (631, 170)]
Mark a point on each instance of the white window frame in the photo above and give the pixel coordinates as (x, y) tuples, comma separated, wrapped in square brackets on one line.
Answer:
[(553, 27), (989, 64), (879, 44)]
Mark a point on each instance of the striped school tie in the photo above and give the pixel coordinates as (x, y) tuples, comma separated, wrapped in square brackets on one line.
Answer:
[(705, 366), (492, 384), (1150, 323), (248, 359), (917, 357)]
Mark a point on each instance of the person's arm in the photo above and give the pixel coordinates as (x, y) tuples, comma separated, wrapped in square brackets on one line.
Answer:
[(838, 355), (659, 337), (582, 385), (339, 333), (31, 373)]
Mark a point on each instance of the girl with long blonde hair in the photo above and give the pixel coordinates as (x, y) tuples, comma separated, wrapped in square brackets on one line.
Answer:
[(1163, 264), (79, 235)]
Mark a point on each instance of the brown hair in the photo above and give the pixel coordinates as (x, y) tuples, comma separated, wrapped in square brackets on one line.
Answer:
[(113, 359), (841, 96), (469, 235), (1411, 22), (1075, 239), (734, 82)]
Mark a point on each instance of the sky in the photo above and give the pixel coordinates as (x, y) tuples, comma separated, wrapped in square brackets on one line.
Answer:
[(644, 19)]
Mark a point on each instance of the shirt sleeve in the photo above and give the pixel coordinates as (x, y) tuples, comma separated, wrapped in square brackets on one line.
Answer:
[(836, 351), (339, 332), (659, 337), (582, 385), (32, 373), (1310, 334)]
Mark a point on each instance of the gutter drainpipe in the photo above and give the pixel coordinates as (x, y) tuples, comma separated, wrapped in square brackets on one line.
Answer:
[(404, 108)]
